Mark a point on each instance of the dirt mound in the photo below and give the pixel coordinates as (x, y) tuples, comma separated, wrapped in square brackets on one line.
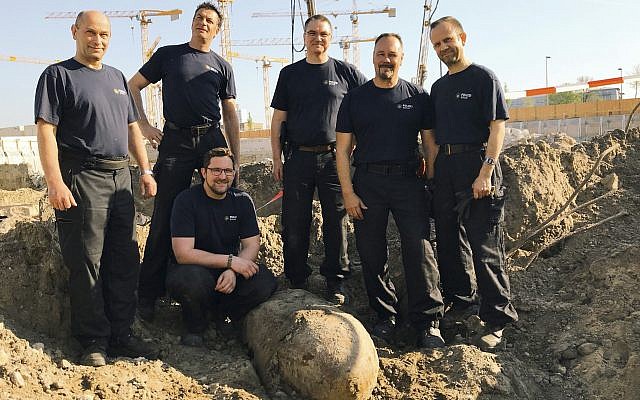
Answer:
[(578, 336)]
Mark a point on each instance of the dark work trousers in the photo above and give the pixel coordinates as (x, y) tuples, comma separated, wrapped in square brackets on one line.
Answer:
[(303, 173), (470, 239), (180, 152), (193, 287), (98, 243), (405, 196)]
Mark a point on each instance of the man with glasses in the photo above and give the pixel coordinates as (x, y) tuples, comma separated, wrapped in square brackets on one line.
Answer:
[(215, 240), (198, 90), (307, 98)]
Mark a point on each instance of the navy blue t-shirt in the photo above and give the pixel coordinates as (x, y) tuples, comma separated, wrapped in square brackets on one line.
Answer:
[(465, 103), (193, 83), (311, 95), (386, 122), (92, 109), (216, 225)]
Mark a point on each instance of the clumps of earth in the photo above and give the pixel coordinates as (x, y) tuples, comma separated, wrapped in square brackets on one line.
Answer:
[(574, 284)]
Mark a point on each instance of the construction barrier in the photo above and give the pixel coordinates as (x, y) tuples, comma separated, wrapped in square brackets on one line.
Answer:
[(576, 110)]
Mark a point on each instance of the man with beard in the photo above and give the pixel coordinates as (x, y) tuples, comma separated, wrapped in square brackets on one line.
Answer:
[(384, 117), (198, 89), (215, 239), (470, 114), (86, 122), (307, 97)]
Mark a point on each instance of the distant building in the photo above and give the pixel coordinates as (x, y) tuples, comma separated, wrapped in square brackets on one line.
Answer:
[(587, 96)]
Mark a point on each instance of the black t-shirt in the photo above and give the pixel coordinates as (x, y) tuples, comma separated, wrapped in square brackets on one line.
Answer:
[(385, 122), (311, 95), (465, 103), (216, 225), (92, 109), (193, 83)]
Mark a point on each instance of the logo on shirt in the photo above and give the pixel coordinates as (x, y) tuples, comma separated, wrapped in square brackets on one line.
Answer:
[(329, 82), (405, 106), (210, 68), (230, 217), (463, 96), (120, 91)]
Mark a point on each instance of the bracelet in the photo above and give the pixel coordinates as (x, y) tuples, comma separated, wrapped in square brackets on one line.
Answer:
[(146, 172), (229, 261)]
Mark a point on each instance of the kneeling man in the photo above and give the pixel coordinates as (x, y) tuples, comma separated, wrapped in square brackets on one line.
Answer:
[(215, 240)]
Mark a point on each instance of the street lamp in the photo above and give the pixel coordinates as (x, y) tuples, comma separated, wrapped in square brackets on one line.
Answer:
[(620, 69), (546, 74)]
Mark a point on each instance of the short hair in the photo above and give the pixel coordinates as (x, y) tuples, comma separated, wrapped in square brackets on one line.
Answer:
[(448, 19), (217, 152), (207, 5), (388, 34), (81, 16), (317, 17)]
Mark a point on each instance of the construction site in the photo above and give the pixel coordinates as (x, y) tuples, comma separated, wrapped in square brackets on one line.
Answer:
[(571, 236)]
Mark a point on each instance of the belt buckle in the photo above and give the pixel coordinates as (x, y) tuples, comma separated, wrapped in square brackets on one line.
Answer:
[(447, 149), (200, 129)]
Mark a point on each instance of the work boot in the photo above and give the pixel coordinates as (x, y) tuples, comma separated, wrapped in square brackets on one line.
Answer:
[(192, 340), (385, 329), (429, 338), (94, 355), (131, 346), (147, 309), (336, 293), (490, 339)]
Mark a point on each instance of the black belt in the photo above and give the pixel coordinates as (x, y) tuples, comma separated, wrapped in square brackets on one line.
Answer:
[(195, 130), (92, 162), (448, 149), (388, 169), (321, 148)]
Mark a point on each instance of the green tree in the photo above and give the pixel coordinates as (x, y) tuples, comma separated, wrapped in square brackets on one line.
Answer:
[(565, 98)]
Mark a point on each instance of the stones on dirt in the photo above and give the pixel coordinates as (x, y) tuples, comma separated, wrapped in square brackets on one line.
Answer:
[(587, 348), (16, 378), (611, 182), (65, 364), (300, 341)]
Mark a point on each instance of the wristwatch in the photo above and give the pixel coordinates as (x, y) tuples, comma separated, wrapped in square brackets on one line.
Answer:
[(489, 160), (229, 261), (146, 172)]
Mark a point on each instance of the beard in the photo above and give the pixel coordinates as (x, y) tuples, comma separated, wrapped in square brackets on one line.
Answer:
[(451, 57), (385, 72), (219, 187)]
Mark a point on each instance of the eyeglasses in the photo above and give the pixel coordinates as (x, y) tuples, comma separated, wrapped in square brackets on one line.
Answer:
[(219, 171), (322, 35)]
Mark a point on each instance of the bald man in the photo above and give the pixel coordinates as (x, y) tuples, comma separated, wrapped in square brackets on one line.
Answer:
[(86, 124)]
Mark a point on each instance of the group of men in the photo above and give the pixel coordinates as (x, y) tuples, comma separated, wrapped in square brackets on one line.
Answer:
[(204, 239), (328, 117)]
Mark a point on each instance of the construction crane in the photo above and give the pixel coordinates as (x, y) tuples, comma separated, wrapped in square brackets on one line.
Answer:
[(153, 97), (225, 33), (421, 74), (266, 64), (28, 60), (353, 16), (311, 8), (345, 45)]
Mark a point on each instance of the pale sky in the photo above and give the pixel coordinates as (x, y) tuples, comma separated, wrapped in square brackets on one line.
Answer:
[(511, 37)]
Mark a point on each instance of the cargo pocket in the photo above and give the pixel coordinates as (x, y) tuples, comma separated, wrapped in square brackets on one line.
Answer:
[(496, 207)]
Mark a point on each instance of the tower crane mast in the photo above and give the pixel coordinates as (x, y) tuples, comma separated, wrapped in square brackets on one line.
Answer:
[(266, 64), (421, 74)]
